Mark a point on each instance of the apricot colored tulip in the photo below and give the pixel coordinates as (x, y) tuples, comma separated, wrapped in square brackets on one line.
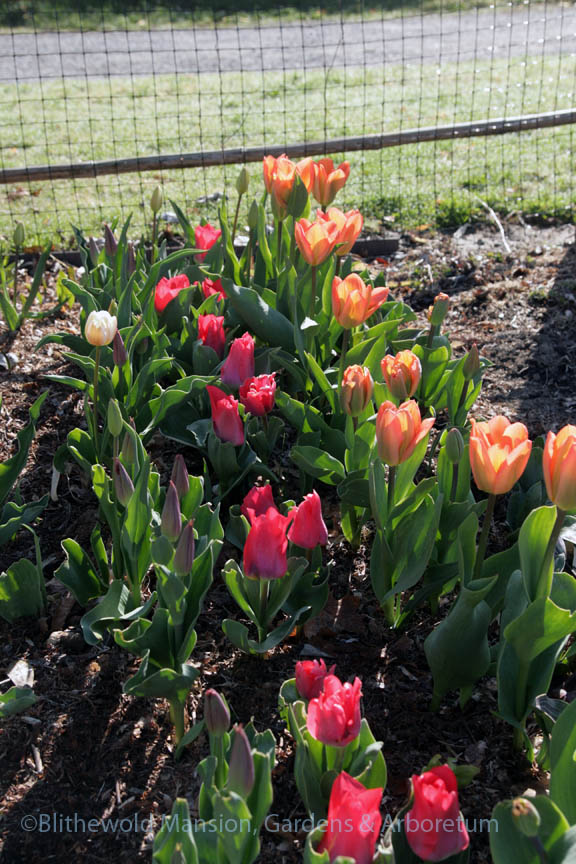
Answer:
[(399, 431), (279, 175), (356, 390), (328, 180), (559, 466), (402, 373), (315, 240), (353, 301), (499, 453), (349, 227)]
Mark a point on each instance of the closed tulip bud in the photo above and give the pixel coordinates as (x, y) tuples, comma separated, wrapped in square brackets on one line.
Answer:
[(156, 200), (123, 485), (130, 259), (471, 365), (526, 817), (128, 449), (119, 353), (559, 467), (100, 328), (19, 235), (216, 714), (185, 550), (402, 374), (115, 421), (437, 313), (454, 445), (356, 390), (241, 766), (171, 523), (94, 251), (253, 216), (110, 242), (180, 476), (242, 181)]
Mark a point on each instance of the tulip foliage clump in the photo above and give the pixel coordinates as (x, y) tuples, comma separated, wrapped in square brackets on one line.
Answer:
[(313, 404)]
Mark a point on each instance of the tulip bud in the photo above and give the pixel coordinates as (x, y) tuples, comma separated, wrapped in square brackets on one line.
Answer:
[(216, 714), (242, 181), (128, 449), (123, 485), (180, 476), (241, 766), (437, 313), (110, 242), (472, 363), (119, 353), (19, 235), (253, 216), (454, 445), (171, 523), (94, 251), (130, 259), (526, 817), (115, 421), (184, 555), (356, 390), (156, 200)]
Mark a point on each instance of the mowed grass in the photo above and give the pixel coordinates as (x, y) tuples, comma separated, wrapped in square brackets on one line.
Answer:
[(70, 120)]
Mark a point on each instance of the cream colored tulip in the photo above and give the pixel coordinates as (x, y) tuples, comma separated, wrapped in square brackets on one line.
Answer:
[(100, 328)]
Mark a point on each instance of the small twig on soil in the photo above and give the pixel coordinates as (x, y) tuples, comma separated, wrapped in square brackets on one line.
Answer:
[(493, 216), (37, 760)]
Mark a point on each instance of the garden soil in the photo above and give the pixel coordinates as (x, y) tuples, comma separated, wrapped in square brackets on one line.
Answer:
[(87, 751)]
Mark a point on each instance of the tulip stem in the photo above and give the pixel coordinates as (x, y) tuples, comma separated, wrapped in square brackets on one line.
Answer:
[(220, 776), (463, 396), (547, 574), (263, 602), (542, 854), (454, 487), (431, 335), (95, 404), (483, 542), (313, 295), (177, 718), (235, 223), (154, 237), (16, 255), (337, 270), (391, 486), (279, 226), (343, 353)]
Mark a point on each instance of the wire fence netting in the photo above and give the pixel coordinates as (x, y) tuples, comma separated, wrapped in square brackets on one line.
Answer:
[(128, 81)]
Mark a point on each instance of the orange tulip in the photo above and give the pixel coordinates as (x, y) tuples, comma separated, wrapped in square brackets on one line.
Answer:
[(328, 180), (399, 431), (315, 240), (353, 301), (402, 373), (356, 390), (499, 453), (279, 177), (268, 166), (349, 224), (559, 466)]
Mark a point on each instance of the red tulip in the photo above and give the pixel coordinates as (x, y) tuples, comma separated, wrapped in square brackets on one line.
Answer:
[(559, 466), (239, 365), (167, 289), (257, 394), (354, 821), (211, 332), (310, 675), (433, 826), (258, 501), (205, 236), (226, 420), (329, 180), (213, 286), (266, 545), (334, 716), (308, 528)]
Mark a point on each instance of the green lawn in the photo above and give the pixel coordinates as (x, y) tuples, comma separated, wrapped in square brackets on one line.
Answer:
[(74, 120)]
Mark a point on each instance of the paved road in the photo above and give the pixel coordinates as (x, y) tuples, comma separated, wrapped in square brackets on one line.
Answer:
[(432, 39)]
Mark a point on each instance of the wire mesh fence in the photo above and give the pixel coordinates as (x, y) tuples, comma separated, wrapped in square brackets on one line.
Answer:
[(82, 86)]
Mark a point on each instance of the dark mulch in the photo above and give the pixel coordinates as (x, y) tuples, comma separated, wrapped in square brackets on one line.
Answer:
[(86, 751)]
